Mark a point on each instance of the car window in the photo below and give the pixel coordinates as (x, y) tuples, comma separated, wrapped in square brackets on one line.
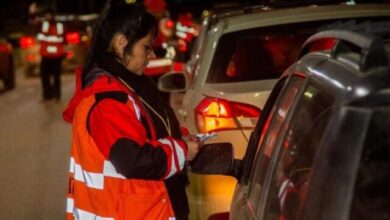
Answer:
[(269, 134), (289, 182), (372, 192), (254, 55), (264, 53)]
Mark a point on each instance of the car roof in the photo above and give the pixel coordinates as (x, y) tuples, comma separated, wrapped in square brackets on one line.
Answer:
[(268, 16)]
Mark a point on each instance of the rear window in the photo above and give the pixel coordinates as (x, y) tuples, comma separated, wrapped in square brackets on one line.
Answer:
[(257, 54), (264, 53)]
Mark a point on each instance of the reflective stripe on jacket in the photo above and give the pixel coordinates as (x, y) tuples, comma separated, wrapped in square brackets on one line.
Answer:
[(51, 39), (97, 190)]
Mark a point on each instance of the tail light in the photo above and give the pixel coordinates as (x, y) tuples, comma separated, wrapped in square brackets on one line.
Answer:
[(26, 42), (214, 114), (73, 38)]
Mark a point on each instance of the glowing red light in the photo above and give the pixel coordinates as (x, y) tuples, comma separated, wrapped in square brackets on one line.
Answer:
[(26, 42), (30, 58), (73, 38), (169, 24)]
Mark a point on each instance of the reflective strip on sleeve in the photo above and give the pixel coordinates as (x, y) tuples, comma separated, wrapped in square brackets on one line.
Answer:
[(180, 154), (93, 179), (173, 169), (136, 108), (177, 150)]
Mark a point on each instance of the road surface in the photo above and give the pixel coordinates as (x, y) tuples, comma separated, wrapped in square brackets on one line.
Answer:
[(34, 151)]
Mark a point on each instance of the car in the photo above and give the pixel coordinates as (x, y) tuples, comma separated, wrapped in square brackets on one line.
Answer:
[(320, 149), (239, 63), (77, 38), (7, 74)]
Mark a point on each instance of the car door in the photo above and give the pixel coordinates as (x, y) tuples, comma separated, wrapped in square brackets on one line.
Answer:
[(288, 181), (263, 141)]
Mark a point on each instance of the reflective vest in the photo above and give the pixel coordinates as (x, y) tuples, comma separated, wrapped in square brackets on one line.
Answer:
[(96, 190), (52, 40)]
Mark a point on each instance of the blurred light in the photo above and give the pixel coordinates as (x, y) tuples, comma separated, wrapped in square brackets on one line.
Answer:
[(30, 58), (73, 38), (361, 91), (308, 94), (84, 38), (70, 54), (169, 23), (205, 13), (26, 42)]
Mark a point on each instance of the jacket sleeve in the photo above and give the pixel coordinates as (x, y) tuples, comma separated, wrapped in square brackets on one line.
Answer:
[(121, 137)]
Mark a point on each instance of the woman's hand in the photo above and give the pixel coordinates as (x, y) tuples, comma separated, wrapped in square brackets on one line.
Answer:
[(193, 146)]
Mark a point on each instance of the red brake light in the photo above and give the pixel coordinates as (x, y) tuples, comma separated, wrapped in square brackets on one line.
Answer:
[(73, 38), (219, 114), (26, 42)]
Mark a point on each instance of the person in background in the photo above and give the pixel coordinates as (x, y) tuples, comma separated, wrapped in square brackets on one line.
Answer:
[(128, 151), (51, 37)]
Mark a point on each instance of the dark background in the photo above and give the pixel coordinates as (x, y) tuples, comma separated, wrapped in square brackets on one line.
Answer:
[(14, 14)]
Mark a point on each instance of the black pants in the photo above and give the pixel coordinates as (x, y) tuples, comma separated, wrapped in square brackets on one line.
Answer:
[(51, 77)]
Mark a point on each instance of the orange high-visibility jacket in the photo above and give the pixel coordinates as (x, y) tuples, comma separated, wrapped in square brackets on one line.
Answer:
[(52, 39), (96, 189)]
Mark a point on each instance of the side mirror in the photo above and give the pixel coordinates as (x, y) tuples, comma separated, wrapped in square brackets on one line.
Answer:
[(216, 158), (173, 82)]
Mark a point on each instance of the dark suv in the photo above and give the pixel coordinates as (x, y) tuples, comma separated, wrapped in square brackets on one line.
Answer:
[(321, 147)]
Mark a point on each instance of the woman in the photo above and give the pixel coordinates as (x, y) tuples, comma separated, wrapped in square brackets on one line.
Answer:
[(128, 155)]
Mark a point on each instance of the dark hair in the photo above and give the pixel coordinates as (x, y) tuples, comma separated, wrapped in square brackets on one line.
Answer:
[(132, 20)]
